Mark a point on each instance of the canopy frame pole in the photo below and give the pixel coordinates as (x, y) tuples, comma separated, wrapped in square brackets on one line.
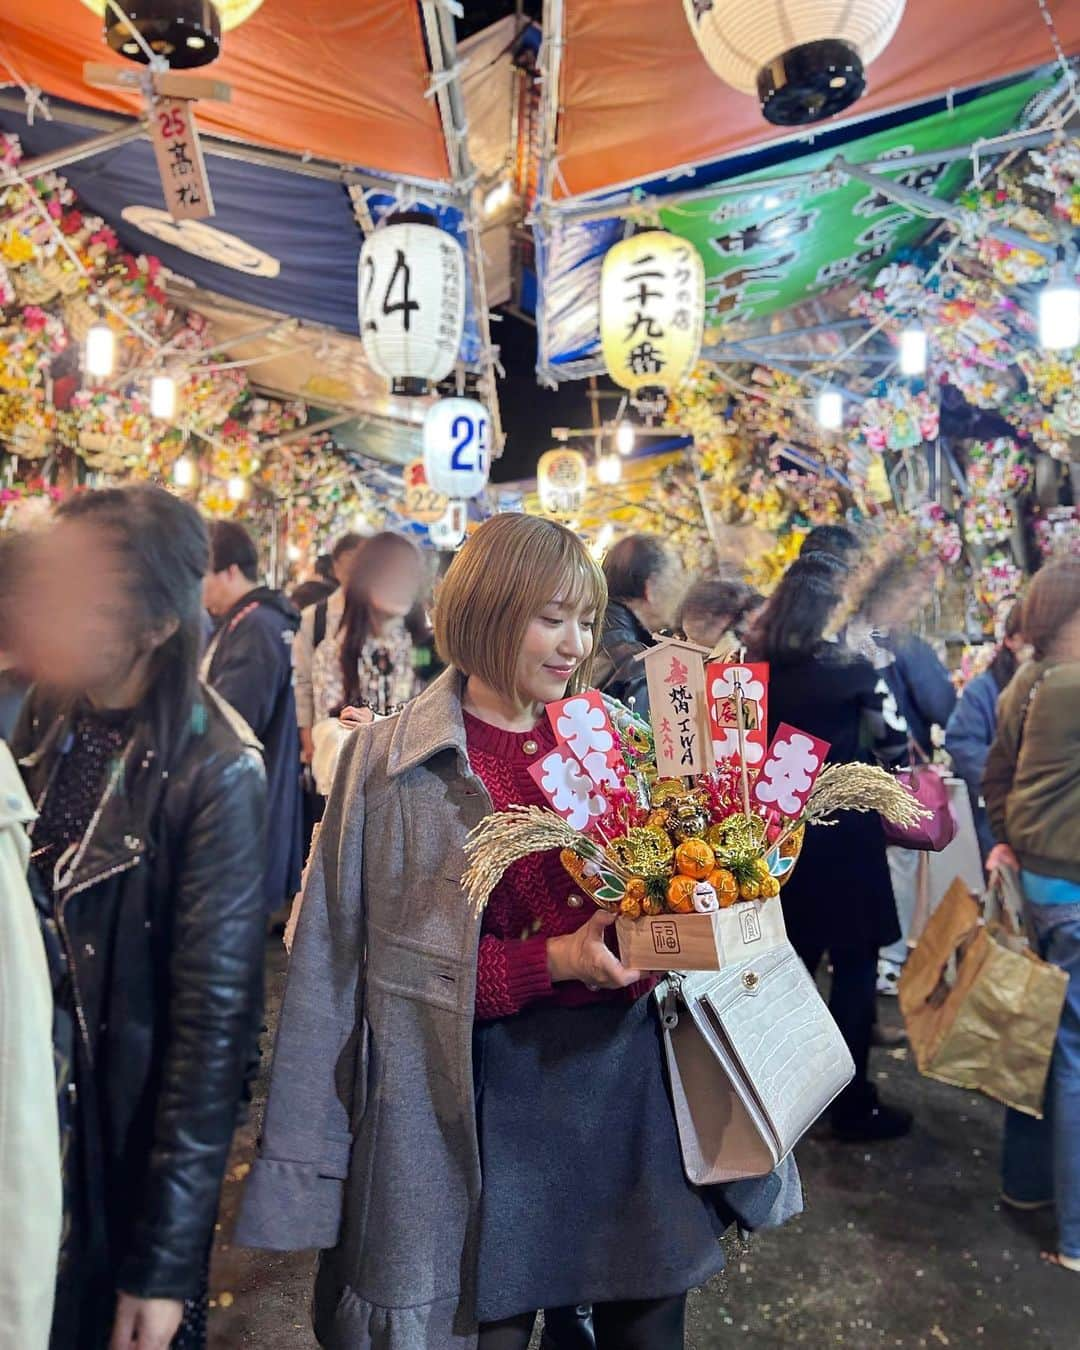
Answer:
[(925, 204), (447, 90), (75, 154), (585, 209), (258, 156), (552, 45)]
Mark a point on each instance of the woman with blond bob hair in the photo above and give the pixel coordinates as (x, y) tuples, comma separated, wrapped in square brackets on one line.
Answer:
[(468, 1113)]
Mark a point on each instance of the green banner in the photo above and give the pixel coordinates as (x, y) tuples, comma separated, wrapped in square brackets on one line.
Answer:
[(773, 247)]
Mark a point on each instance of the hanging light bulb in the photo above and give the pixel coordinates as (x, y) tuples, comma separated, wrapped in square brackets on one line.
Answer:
[(830, 410), (237, 489), (293, 553), (913, 348), (183, 472), (608, 469), (624, 438), (1059, 311), (600, 545), (100, 352), (162, 396)]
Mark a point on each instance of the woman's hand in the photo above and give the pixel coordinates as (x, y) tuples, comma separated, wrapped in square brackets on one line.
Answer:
[(1001, 855), (586, 957), (351, 718), (145, 1323)]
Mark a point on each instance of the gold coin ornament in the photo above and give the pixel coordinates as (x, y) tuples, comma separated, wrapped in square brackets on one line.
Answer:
[(665, 790), (644, 852)]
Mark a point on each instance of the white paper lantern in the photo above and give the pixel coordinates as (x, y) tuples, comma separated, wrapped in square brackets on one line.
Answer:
[(449, 531), (562, 477), (412, 303), (652, 310), (805, 59), (457, 440)]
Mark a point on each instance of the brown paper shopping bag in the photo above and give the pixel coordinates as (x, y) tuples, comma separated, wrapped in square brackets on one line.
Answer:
[(981, 1009)]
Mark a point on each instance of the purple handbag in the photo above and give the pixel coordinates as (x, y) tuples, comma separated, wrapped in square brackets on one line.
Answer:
[(934, 832)]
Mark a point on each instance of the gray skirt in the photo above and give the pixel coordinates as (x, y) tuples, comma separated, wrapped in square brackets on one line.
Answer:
[(584, 1197)]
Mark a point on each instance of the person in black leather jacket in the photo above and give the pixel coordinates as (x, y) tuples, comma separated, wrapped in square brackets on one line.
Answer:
[(149, 849), (646, 583)]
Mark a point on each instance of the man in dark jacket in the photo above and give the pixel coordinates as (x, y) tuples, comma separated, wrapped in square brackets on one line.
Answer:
[(249, 663), (645, 585)]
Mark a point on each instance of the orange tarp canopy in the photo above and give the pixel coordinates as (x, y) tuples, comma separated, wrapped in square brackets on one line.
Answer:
[(343, 80), (638, 98)]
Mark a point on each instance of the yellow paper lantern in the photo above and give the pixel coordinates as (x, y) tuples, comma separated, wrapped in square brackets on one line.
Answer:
[(652, 311), (562, 477)]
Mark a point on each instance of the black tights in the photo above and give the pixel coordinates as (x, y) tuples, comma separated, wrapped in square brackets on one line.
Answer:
[(652, 1324)]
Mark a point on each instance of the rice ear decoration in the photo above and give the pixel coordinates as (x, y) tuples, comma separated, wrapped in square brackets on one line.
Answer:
[(502, 839), (856, 787)]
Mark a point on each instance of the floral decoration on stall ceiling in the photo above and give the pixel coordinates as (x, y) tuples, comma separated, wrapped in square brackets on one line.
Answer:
[(54, 429)]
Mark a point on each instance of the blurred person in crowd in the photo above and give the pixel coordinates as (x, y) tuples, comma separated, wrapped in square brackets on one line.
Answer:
[(920, 695), (376, 660), (646, 582), (249, 663), (508, 1050), (1032, 791), (839, 899), (149, 845), (30, 1194), (13, 683), (716, 612), (834, 541), (319, 619), (322, 584), (971, 728)]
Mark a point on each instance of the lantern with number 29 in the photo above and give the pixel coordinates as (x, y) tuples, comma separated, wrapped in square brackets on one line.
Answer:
[(652, 310), (412, 303), (457, 455)]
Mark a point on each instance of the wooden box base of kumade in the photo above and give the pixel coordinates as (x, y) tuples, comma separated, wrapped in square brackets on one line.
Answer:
[(701, 941)]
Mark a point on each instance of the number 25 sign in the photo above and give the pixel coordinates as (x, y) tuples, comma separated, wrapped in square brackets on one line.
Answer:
[(457, 455)]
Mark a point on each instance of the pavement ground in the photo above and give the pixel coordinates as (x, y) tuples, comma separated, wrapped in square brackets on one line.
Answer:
[(902, 1244)]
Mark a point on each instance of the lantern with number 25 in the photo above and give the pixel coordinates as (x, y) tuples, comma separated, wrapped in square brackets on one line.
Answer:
[(412, 302), (652, 311), (457, 455)]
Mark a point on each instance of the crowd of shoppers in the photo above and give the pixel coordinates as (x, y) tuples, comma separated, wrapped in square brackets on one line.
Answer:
[(156, 825)]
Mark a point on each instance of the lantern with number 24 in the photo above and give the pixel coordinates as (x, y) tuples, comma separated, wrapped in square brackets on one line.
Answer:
[(412, 302), (457, 436)]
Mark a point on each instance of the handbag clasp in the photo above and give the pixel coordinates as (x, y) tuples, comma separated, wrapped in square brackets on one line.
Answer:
[(751, 981)]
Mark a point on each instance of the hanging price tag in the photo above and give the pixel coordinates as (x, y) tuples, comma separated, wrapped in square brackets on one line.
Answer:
[(180, 163), (422, 502)]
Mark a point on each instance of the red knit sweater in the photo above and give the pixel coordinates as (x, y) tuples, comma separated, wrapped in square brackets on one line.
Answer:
[(536, 899)]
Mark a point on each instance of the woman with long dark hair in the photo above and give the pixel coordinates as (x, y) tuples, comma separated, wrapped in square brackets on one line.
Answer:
[(839, 899), (373, 661), (149, 850)]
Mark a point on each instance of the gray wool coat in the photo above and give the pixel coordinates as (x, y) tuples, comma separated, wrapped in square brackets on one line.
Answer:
[(369, 1148)]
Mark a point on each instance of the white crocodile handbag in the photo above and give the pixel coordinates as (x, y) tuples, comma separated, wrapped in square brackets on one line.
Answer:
[(754, 1058)]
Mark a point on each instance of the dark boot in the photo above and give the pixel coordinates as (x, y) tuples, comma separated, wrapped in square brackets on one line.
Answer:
[(568, 1329)]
